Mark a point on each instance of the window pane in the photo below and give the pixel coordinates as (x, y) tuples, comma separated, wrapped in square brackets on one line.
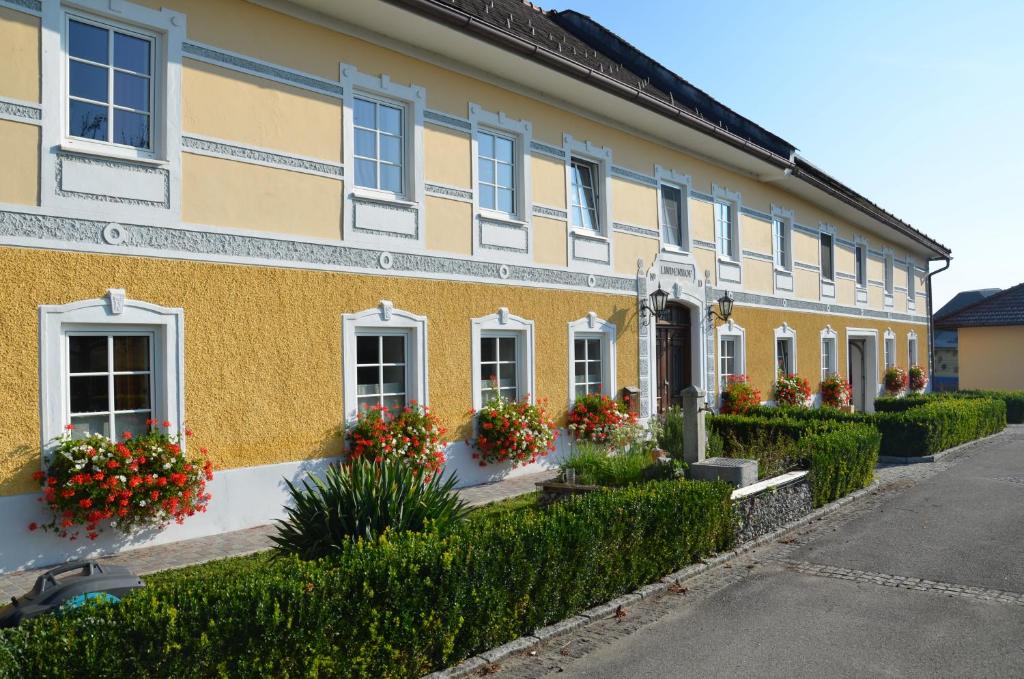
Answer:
[(131, 53), (486, 166), (87, 353), (485, 144), (131, 91), (507, 347), (91, 424), (587, 220), (503, 149), (131, 353), (366, 173), (391, 149), (394, 379), (134, 422), (364, 113), (594, 372), (367, 381), (582, 175), (131, 392), (487, 199), (594, 349), (131, 129), (395, 402), (88, 42), (391, 178), (488, 373), (390, 119), (504, 175), (579, 349), (366, 143), (511, 393), (581, 370), (826, 256), (88, 81), (488, 349), (507, 375), (394, 349), (89, 394), (671, 201), (366, 402), (505, 200), (87, 120), (581, 390), (367, 349)]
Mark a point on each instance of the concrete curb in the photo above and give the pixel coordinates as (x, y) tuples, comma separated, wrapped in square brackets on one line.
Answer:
[(919, 459), (605, 610)]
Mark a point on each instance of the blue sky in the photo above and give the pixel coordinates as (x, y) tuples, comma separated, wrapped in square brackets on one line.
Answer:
[(917, 105)]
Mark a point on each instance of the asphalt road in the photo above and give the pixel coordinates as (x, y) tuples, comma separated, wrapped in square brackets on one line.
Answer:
[(924, 578)]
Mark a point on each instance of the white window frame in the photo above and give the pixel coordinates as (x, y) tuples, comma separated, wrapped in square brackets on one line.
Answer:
[(830, 231), (861, 244), (913, 348), (393, 219), (888, 275), (591, 327), (829, 335), (730, 330), (682, 183), (889, 357), (379, 101), (385, 319), (730, 268), (589, 250), (911, 284), (503, 323), (784, 332), (782, 225), (112, 314), (599, 189)]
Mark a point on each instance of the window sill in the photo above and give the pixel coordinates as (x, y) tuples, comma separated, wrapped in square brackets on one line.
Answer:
[(502, 219), (782, 269), (587, 233), (112, 153), (674, 250), (383, 198), (722, 259)]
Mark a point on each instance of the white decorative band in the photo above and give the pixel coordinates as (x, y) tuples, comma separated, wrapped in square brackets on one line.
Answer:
[(553, 212), (261, 69), (703, 244), (806, 230), (633, 176), (805, 266), (30, 6), (758, 255), (636, 230), (698, 195), (452, 192), (783, 303), (21, 111), (547, 149), (447, 120), (756, 214), (845, 276), (249, 154)]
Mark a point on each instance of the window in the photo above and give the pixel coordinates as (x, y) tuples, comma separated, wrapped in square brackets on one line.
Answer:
[(110, 382), (829, 361), (724, 230), (110, 84), (784, 355), (911, 280), (499, 367), (584, 195), (496, 171), (890, 351), (861, 264), (729, 359), (673, 216), (587, 366), (912, 350), (888, 274), (780, 240), (379, 146), (381, 362), (827, 257)]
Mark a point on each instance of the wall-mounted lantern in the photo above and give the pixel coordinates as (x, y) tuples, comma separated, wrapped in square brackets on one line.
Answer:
[(659, 298), (725, 303)]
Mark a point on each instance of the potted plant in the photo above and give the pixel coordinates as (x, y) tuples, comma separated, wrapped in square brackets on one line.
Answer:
[(895, 380), (917, 379), (411, 434), (792, 390), (596, 417), (519, 432), (836, 392), (739, 396)]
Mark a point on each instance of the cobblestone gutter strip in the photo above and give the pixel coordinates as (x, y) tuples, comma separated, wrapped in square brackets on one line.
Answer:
[(904, 582), (607, 610), (917, 459)]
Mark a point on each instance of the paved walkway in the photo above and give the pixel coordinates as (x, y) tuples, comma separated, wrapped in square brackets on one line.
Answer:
[(922, 577), (189, 552)]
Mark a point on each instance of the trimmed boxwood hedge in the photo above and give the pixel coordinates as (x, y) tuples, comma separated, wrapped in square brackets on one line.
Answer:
[(398, 607), (1014, 401), (841, 461)]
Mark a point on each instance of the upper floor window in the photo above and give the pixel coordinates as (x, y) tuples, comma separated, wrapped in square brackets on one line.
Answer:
[(725, 229), (379, 145), (888, 274), (828, 257), (110, 84), (584, 195), (911, 280), (861, 264), (673, 216), (781, 243), (497, 172)]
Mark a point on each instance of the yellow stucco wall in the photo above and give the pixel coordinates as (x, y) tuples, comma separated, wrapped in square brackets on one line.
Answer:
[(19, 169), (447, 157), (760, 324), (228, 193), (634, 204), (549, 241), (449, 225), (19, 55), (756, 235), (627, 248), (225, 104), (990, 358), (548, 181), (758, 275), (263, 357)]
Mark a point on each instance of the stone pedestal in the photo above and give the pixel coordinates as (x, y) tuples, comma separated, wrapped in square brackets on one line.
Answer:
[(695, 439), (734, 470)]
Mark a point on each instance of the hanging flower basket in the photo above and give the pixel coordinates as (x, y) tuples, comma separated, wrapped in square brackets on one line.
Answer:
[(412, 434), (596, 417), (519, 432)]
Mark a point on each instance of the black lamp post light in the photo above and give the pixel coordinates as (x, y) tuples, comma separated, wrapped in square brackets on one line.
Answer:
[(725, 303), (659, 298)]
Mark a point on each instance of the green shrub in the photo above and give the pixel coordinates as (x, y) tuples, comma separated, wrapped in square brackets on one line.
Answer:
[(596, 465), (399, 606), (362, 499), (670, 438), (775, 450), (1014, 401), (841, 461)]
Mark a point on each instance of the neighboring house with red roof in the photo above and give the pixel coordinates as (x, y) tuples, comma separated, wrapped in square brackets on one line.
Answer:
[(990, 339), (945, 369)]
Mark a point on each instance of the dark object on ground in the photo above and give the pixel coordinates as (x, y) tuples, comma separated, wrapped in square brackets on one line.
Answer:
[(93, 582)]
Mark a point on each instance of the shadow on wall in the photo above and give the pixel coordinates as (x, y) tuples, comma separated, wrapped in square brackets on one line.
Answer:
[(26, 462)]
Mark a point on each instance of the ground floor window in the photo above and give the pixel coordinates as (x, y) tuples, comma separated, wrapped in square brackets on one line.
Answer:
[(381, 362), (890, 351), (109, 382), (784, 355), (587, 370), (829, 361), (912, 349), (729, 354), (499, 367), (502, 357)]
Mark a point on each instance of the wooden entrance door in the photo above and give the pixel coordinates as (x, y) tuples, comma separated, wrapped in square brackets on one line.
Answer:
[(673, 355)]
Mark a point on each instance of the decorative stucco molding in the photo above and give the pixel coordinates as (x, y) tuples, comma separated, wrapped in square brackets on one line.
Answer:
[(446, 120), (123, 166), (31, 6), (249, 154), (255, 67), (756, 214), (803, 305), (553, 212), (20, 112), (636, 230), (442, 191), (547, 149), (633, 176)]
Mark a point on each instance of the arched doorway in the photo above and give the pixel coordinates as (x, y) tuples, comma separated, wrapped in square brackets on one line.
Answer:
[(675, 366)]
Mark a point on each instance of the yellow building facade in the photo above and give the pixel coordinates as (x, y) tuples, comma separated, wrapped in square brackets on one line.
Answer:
[(251, 194)]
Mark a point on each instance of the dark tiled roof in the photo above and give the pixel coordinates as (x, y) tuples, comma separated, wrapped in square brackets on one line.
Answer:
[(1002, 308), (962, 299)]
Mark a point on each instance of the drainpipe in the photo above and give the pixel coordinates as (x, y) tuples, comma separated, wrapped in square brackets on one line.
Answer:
[(931, 324)]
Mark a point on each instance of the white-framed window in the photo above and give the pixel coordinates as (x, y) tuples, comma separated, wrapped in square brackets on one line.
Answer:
[(380, 132), (496, 172), (591, 357), (911, 280), (829, 352), (890, 349), (502, 355), (912, 357), (674, 208), (731, 352), (111, 83), (108, 365), (828, 256), (724, 231), (860, 256), (384, 355), (726, 212), (889, 272), (785, 350), (782, 240), (584, 193)]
